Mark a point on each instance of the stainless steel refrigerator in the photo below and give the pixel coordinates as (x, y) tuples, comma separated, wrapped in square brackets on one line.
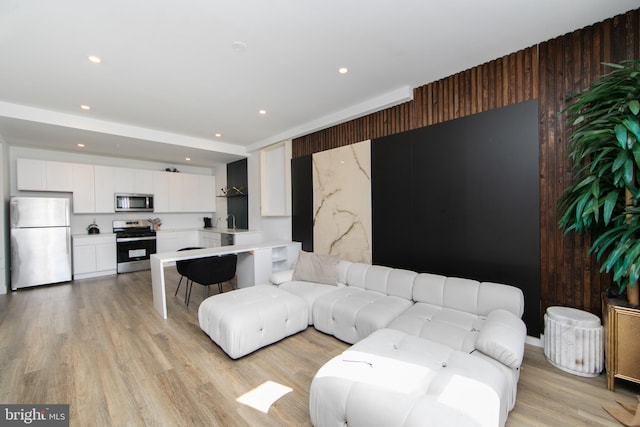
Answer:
[(40, 241)]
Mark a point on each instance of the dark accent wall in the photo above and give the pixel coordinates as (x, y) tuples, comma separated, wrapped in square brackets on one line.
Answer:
[(238, 205), (549, 72), (460, 198), (302, 202)]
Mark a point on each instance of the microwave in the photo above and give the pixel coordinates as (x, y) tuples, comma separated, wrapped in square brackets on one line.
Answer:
[(128, 202)]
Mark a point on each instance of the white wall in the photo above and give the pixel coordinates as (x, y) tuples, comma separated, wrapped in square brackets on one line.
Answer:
[(4, 245)]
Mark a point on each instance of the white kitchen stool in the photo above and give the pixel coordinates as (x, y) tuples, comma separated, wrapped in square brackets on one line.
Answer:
[(573, 341)]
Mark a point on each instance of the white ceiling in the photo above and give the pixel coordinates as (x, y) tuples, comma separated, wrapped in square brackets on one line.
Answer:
[(170, 77)]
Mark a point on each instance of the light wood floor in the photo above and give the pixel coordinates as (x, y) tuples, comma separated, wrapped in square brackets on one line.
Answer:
[(99, 345)]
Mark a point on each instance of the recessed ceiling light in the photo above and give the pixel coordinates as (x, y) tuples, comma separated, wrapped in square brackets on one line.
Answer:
[(218, 135), (188, 159), (81, 145), (262, 112), (85, 107), (94, 59), (343, 70)]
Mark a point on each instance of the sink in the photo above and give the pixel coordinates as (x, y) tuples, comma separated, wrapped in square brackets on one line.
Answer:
[(228, 230)]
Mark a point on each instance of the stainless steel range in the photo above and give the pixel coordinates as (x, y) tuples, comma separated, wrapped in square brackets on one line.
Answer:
[(135, 242)]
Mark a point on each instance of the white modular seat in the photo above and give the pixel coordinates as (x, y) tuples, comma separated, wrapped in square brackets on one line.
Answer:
[(451, 310), (391, 378), (244, 320), (372, 296)]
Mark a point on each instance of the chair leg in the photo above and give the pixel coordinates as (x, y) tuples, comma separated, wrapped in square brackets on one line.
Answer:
[(187, 295), (220, 287), (178, 288)]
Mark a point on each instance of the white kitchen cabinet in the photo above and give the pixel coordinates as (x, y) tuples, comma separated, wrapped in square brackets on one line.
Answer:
[(184, 192), (59, 176), (123, 180), (94, 256), (198, 193), (160, 191), (104, 177), (129, 180), (92, 189), (83, 188), (31, 174), (208, 239), (171, 241), (175, 192), (275, 180), (143, 181), (43, 175)]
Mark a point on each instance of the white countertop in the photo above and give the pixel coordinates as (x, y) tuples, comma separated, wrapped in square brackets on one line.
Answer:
[(76, 236), (210, 230), (166, 257)]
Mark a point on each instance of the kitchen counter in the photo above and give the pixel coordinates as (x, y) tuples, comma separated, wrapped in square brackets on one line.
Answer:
[(210, 230), (76, 236), (228, 230)]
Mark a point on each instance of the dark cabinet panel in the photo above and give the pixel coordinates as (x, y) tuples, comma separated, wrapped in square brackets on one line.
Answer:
[(238, 206), (461, 198), (302, 202)]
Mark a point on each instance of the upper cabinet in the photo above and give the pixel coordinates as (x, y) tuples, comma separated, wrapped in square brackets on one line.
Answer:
[(198, 193), (128, 180), (84, 199), (275, 180), (94, 186), (44, 175)]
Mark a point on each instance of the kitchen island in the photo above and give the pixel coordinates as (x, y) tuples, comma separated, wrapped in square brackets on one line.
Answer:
[(256, 262)]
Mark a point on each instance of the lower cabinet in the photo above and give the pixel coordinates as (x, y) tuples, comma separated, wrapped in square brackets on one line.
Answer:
[(208, 239), (94, 256), (171, 241), (622, 351)]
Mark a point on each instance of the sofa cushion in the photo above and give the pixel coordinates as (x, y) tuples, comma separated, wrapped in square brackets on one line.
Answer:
[(454, 328), (351, 313), (385, 280), (308, 291), (467, 295), (493, 296), (502, 337), (318, 268)]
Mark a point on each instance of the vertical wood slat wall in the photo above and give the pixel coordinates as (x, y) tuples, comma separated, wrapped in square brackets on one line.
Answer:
[(548, 72)]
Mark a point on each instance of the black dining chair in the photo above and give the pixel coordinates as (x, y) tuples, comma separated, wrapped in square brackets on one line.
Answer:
[(209, 271), (182, 267)]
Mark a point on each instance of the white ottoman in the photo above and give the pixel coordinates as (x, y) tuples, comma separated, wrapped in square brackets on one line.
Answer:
[(391, 378), (573, 341), (247, 319)]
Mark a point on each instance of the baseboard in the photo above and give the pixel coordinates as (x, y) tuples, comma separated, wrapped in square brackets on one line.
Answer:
[(538, 342)]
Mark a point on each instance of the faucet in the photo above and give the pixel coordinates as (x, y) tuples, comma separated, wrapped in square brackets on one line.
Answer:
[(233, 221)]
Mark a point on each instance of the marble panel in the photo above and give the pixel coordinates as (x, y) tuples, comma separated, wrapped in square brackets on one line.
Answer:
[(342, 202)]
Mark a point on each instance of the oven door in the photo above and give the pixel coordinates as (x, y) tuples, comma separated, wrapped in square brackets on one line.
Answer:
[(134, 253)]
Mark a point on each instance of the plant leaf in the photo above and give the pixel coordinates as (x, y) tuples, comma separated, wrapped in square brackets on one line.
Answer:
[(634, 107), (621, 135), (609, 204)]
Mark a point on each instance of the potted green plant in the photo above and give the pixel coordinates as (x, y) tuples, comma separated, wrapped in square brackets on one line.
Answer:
[(604, 198)]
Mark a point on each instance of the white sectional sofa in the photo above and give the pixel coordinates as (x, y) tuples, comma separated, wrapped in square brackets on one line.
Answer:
[(426, 347), (428, 350)]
